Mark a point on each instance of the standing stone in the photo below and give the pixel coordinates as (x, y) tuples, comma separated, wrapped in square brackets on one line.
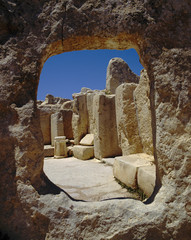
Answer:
[(67, 122), (91, 118), (45, 126), (142, 101), (127, 125), (79, 117), (105, 138), (57, 126), (118, 72)]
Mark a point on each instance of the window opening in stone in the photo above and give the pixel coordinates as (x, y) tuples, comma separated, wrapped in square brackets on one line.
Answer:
[(109, 127)]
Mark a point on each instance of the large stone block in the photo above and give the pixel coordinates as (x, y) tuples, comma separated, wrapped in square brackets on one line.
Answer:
[(105, 137), (83, 152), (146, 179), (118, 72), (79, 117), (142, 101), (88, 140), (125, 168), (127, 125), (67, 122)]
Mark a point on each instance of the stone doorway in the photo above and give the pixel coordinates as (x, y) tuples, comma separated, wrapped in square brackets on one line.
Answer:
[(129, 131)]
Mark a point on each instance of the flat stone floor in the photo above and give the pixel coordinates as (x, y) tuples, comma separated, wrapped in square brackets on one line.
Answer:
[(89, 180)]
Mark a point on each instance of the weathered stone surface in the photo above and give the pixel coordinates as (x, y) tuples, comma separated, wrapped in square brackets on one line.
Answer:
[(118, 72), (33, 31), (91, 117), (127, 124), (67, 122), (125, 168), (83, 152), (60, 149), (68, 105), (88, 140), (79, 117), (105, 137), (61, 124), (45, 119), (57, 126), (143, 110), (48, 151), (146, 178)]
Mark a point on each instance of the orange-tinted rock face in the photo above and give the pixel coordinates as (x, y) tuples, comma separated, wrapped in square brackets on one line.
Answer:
[(32, 31)]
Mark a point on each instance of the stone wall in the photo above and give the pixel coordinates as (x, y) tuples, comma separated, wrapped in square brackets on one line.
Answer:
[(31, 32)]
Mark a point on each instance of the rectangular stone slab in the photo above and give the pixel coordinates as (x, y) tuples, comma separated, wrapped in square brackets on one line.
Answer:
[(125, 168), (146, 179)]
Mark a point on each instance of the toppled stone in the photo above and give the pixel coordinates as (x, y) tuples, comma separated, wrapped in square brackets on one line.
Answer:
[(83, 152), (127, 125), (125, 168), (105, 137), (88, 140), (48, 151), (146, 177), (118, 72), (143, 110)]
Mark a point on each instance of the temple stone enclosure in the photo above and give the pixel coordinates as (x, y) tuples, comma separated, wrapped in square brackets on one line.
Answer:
[(32, 31)]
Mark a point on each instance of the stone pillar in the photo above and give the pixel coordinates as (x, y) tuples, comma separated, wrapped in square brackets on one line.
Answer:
[(57, 126), (91, 118), (45, 126), (127, 125), (105, 137), (79, 117), (118, 72), (67, 121), (143, 109), (60, 149)]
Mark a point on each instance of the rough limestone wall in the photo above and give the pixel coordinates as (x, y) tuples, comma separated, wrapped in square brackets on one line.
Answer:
[(32, 31)]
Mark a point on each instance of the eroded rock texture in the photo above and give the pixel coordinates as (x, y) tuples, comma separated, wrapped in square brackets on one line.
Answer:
[(32, 31), (119, 72)]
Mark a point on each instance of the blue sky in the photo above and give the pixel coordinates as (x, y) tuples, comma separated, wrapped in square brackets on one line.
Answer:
[(65, 74)]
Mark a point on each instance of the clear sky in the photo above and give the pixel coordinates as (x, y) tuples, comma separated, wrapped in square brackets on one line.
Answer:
[(65, 74)]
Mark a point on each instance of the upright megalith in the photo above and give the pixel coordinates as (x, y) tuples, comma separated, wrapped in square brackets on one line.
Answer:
[(118, 72), (57, 126), (127, 124), (143, 110), (79, 117), (105, 136)]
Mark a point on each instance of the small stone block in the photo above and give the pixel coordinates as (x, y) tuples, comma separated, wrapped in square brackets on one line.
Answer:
[(60, 149), (125, 168), (146, 179), (88, 140), (83, 152), (48, 151)]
